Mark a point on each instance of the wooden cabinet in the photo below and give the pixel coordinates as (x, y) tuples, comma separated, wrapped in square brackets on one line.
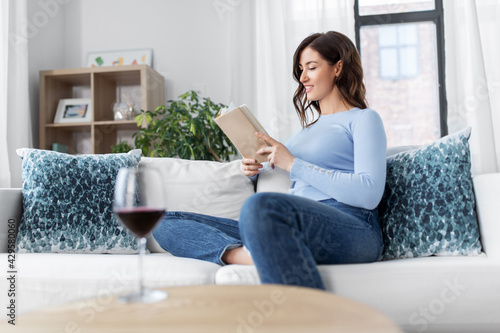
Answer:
[(102, 86)]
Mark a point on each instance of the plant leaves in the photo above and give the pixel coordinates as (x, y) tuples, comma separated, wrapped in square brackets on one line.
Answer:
[(183, 128)]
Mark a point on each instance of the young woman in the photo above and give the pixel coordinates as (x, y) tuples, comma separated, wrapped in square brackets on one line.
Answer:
[(337, 164)]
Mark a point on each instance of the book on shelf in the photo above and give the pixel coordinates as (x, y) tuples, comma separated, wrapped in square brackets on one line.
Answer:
[(240, 125)]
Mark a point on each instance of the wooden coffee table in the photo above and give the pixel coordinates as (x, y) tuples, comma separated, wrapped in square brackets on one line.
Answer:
[(245, 309)]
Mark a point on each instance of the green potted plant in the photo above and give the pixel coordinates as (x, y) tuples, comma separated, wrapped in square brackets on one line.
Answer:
[(185, 129)]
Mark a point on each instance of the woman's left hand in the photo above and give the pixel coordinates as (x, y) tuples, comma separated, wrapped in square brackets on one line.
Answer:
[(278, 156)]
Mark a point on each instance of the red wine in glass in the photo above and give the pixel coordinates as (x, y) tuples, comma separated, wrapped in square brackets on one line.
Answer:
[(140, 220)]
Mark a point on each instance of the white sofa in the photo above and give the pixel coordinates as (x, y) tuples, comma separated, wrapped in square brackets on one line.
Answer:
[(431, 294)]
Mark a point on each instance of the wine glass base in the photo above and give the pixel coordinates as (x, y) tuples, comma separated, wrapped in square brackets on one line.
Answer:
[(147, 296)]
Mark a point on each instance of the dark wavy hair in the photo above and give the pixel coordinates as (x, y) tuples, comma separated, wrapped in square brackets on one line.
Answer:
[(332, 46)]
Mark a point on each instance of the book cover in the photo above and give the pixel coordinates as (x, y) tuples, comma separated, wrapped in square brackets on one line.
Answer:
[(240, 125)]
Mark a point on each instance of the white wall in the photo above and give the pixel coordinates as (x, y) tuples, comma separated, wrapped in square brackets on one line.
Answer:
[(46, 22), (190, 40)]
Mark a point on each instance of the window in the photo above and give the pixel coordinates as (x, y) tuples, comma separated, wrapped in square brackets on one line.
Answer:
[(398, 51), (401, 43), (375, 7)]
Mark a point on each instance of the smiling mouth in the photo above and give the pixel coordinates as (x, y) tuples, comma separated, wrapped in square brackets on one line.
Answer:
[(308, 88)]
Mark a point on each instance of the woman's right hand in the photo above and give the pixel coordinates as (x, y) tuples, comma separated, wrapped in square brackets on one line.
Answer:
[(250, 167)]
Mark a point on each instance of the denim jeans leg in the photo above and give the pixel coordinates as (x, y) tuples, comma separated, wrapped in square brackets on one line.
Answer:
[(197, 236), (289, 235)]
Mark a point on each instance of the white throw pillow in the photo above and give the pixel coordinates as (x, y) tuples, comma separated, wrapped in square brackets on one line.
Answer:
[(204, 187), (273, 180)]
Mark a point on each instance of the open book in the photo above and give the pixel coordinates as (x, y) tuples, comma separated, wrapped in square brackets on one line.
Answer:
[(240, 125)]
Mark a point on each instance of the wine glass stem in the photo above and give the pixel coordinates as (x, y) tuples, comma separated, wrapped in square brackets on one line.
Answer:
[(142, 251)]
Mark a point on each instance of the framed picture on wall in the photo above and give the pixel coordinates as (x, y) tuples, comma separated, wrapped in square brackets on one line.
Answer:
[(73, 110), (120, 58)]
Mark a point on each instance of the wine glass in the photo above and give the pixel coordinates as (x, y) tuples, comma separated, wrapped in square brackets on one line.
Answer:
[(139, 204)]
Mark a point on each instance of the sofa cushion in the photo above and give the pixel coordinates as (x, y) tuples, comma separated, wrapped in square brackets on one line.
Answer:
[(273, 180), (67, 203), (205, 187), (49, 279), (458, 294), (428, 203)]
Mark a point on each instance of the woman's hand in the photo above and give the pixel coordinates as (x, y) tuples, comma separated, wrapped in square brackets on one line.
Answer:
[(250, 167), (278, 156)]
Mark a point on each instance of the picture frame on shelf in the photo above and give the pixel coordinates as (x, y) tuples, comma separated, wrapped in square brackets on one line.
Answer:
[(73, 110), (120, 58)]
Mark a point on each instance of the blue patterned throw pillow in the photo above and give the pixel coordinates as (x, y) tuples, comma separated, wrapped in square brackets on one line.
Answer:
[(67, 203), (428, 204)]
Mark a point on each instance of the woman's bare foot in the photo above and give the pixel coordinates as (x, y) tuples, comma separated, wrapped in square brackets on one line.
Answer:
[(238, 256)]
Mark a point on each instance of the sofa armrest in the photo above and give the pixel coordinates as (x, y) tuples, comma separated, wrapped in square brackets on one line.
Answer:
[(487, 193), (10, 212)]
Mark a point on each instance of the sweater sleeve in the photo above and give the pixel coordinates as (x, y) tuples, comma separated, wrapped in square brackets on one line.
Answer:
[(365, 186)]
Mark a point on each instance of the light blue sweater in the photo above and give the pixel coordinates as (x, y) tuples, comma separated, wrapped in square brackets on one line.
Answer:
[(341, 156)]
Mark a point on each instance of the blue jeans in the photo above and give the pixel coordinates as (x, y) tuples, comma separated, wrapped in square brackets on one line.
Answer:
[(287, 236)]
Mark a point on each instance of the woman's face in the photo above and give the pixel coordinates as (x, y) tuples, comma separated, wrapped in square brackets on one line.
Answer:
[(317, 75)]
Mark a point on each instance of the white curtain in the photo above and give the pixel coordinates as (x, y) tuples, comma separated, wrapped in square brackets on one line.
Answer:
[(473, 77), (265, 35), (15, 120)]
